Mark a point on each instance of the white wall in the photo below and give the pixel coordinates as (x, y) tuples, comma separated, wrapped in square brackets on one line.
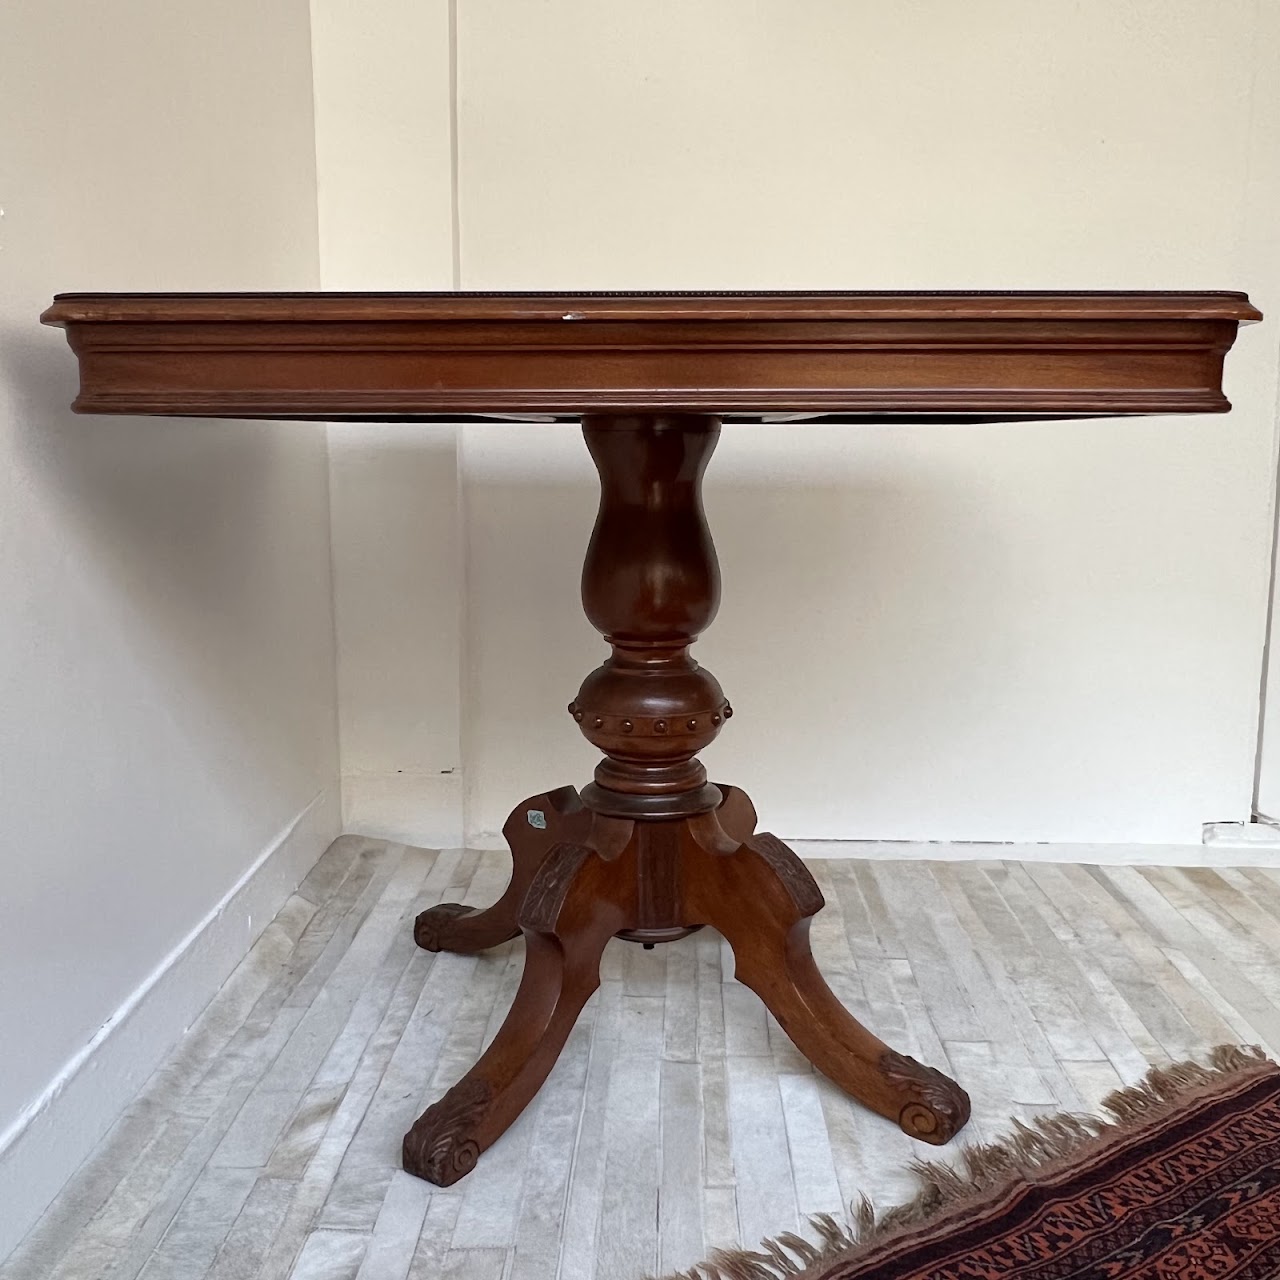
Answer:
[(1044, 632), (166, 648), (384, 162), (1267, 146), (1047, 632)]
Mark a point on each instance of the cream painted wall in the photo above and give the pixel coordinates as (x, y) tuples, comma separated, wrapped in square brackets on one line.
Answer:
[(384, 155), (1266, 146), (168, 762), (1044, 632), (1047, 632)]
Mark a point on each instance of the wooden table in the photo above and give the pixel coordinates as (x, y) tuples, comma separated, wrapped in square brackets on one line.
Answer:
[(651, 850)]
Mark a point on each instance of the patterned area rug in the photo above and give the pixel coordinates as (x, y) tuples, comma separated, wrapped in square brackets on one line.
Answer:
[(1182, 1183)]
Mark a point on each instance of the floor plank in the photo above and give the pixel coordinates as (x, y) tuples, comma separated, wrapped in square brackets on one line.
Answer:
[(680, 1118)]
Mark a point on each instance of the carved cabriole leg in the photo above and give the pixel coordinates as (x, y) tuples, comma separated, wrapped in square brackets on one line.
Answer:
[(761, 897), (534, 828), (576, 903)]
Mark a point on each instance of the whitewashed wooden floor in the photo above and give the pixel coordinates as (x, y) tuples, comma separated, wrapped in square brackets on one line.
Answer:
[(679, 1118)]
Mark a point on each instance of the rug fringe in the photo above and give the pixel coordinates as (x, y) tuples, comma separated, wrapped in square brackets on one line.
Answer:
[(987, 1169)]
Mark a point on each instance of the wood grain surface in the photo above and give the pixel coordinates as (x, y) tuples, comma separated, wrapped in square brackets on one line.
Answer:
[(857, 356)]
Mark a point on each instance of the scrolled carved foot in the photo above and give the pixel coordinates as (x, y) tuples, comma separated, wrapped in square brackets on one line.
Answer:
[(440, 1146), (936, 1109), (443, 927)]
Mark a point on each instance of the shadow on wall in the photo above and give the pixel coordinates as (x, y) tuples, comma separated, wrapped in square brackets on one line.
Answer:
[(196, 546), (168, 684)]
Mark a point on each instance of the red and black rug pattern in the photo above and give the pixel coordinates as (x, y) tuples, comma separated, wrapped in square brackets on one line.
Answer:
[(1192, 1197), (1181, 1182)]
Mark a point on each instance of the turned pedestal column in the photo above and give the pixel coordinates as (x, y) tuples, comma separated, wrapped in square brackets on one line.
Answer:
[(650, 850)]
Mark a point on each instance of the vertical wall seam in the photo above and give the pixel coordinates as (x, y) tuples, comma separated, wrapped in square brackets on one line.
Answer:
[(339, 753), (1269, 628), (461, 549), (1248, 203), (454, 196)]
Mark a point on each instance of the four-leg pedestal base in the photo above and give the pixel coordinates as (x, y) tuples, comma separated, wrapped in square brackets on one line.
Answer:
[(580, 879)]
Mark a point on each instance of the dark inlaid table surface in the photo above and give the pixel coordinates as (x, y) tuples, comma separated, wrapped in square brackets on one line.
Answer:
[(651, 850)]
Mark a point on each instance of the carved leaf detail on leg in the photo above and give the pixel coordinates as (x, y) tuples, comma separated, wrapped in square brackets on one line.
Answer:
[(440, 1146), (547, 892), (436, 927), (937, 1108), (794, 875)]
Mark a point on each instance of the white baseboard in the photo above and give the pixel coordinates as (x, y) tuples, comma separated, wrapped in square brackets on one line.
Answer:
[(422, 809), (1160, 855), (49, 1140), (1260, 833), (1227, 849)]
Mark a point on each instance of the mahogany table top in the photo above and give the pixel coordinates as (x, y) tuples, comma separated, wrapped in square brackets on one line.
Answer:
[(829, 356)]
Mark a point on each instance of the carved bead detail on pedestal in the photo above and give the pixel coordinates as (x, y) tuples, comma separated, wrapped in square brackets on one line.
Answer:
[(605, 726), (938, 1107)]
